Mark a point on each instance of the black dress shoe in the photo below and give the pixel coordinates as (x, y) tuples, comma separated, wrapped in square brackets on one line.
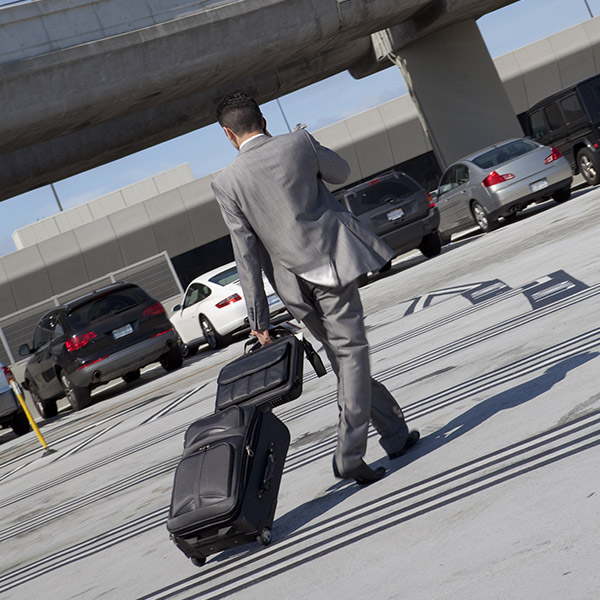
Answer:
[(363, 474), (411, 440)]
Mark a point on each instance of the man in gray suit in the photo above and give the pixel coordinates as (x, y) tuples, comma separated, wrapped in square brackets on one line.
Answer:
[(283, 220)]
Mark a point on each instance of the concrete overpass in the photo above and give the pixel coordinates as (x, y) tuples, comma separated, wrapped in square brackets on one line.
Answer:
[(84, 82)]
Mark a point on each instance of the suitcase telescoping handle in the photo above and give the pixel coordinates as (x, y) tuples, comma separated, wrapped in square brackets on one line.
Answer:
[(313, 358), (265, 486)]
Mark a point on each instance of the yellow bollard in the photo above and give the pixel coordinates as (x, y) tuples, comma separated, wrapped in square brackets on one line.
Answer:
[(19, 394)]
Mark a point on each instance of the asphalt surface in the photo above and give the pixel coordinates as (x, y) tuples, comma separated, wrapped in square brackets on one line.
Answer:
[(492, 349)]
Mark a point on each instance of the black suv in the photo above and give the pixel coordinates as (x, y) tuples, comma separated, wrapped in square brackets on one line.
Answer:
[(396, 208), (110, 333), (570, 121)]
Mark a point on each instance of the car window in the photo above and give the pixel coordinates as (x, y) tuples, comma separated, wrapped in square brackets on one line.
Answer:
[(504, 153), (572, 109), (226, 277), (538, 125), (446, 183), (111, 304), (378, 193), (554, 116), (461, 174), (196, 293), (43, 333)]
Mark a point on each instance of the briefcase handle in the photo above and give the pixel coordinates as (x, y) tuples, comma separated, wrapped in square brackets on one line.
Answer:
[(277, 333)]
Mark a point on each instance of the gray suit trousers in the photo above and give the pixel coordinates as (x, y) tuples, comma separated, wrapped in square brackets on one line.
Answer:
[(337, 322)]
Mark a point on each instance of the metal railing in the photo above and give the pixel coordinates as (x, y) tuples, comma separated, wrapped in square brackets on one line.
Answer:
[(156, 275)]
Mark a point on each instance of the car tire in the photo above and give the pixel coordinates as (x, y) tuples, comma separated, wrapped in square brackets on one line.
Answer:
[(444, 238), (362, 280), (213, 338), (172, 359), (431, 245), (482, 219), (187, 351), (46, 408), (586, 164), (78, 397), (20, 423), (132, 376), (562, 195), (386, 267)]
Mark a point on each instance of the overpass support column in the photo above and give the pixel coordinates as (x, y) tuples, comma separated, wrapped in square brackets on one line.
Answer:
[(458, 93)]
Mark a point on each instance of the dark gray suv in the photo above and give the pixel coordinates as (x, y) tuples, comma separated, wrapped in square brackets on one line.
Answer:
[(396, 208), (110, 333)]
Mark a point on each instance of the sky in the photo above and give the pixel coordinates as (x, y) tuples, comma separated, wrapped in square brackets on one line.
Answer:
[(318, 105)]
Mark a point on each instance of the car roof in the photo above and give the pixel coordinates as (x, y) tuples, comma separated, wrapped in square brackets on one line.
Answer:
[(562, 92), (474, 155), (384, 177), (206, 276), (72, 304)]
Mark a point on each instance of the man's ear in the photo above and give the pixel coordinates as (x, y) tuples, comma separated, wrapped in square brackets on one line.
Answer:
[(231, 136)]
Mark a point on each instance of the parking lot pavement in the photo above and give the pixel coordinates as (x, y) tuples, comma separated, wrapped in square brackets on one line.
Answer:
[(492, 349)]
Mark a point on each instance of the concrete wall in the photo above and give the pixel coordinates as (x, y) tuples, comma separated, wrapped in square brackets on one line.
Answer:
[(187, 217), (94, 210)]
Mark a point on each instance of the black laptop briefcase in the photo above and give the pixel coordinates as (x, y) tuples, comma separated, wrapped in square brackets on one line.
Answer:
[(267, 376), (226, 484)]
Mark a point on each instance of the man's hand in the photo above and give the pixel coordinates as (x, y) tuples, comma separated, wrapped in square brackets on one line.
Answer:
[(263, 335)]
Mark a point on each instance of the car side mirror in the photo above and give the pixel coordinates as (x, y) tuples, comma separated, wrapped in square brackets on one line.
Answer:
[(25, 350), (177, 307)]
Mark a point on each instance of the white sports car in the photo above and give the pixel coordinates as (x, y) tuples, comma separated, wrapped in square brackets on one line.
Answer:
[(213, 310)]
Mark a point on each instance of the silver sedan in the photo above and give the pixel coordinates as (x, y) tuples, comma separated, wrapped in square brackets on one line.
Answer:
[(498, 181)]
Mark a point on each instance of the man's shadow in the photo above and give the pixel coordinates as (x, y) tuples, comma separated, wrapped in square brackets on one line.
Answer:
[(460, 425)]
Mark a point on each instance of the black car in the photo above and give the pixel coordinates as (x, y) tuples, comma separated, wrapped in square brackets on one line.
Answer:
[(110, 333), (400, 211), (570, 121)]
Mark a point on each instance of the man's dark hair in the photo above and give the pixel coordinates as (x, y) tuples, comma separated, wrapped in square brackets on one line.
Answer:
[(240, 113)]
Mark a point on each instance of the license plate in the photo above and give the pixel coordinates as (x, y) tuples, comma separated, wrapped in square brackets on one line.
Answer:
[(122, 331), (272, 299), (536, 186), (395, 214)]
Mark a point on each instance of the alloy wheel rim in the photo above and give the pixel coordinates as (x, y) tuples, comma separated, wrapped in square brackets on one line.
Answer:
[(480, 217), (588, 167), (209, 333)]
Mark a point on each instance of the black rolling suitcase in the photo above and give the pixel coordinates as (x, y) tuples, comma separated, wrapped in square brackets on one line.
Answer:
[(226, 485), (267, 376)]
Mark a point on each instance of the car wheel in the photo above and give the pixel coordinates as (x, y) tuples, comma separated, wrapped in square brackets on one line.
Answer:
[(172, 359), (46, 408), (483, 220), (78, 397), (131, 376), (587, 166), (188, 350), (562, 195), (386, 267), (431, 245), (20, 424), (444, 238), (212, 337), (362, 280)]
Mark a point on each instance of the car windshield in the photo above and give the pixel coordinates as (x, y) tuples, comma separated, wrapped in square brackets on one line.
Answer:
[(379, 192), (114, 303), (226, 277), (504, 153)]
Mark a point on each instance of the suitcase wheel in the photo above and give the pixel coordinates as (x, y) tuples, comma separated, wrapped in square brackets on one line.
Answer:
[(264, 537), (198, 561)]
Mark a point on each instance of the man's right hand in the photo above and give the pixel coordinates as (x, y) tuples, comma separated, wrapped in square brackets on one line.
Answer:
[(263, 335)]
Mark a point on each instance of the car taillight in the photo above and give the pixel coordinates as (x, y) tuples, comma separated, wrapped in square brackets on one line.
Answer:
[(8, 374), (556, 154), (229, 300), (79, 341), (374, 181), (154, 310), (431, 201), (495, 178)]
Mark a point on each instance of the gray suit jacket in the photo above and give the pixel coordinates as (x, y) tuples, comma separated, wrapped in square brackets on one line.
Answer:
[(283, 219)]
